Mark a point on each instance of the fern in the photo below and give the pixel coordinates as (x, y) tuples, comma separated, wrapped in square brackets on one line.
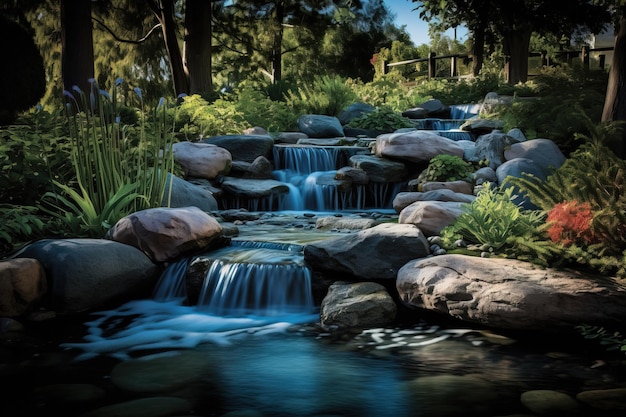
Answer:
[(595, 175)]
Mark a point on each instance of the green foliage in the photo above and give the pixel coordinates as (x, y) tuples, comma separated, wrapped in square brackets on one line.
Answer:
[(493, 220), (33, 151), (594, 175), (612, 341), (390, 91), (565, 100), (447, 168), (260, 110), (117, 174), (382, 119), (327, 95), (19, 224), (195, 118)]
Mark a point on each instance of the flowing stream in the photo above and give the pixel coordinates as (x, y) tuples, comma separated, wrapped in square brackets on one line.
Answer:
[(252, 346)]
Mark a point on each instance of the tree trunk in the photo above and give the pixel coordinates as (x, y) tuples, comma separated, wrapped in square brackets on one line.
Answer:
[(77, 45), (615, 100), (165, 14), (277, 43), (478, 49), (516, 47), (197, 46)]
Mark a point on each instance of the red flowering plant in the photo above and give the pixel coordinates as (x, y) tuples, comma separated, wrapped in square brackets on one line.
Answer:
[(570, 222)]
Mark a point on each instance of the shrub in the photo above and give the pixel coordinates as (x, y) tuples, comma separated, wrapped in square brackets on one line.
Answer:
[(493, 220), (382, 119), (195, 118), (33, 152), (447, 168), (328, 96)]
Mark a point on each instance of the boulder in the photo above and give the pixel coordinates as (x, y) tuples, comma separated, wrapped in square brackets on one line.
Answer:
[(354, 175), (244, 147), (431, 216), (371, 254), (202, 160), (166, 233), (543, 152), (358, 304), (511, 294), (252, 188), (260, 168), (491, 147), (185, 194), (90, 274), (417, 146), (22, 285), (320, 126), (460, 186), (405, 199), (379, 169), (354, 111)]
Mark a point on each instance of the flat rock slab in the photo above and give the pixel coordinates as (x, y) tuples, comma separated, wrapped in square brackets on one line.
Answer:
[(511, 294)]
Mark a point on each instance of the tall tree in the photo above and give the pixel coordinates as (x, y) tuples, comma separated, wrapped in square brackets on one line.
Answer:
[(164, 12), (77, 40), (197, 46)]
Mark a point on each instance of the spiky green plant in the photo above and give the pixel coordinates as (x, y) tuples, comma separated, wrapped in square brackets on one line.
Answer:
[(493, 219), (119, 170)]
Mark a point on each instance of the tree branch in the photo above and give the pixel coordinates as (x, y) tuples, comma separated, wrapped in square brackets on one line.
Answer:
[(117, 38)]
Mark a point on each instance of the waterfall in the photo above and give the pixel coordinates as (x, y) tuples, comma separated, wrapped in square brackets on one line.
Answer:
[(305, 159), (259, 289), (171, 284), (465, 111)]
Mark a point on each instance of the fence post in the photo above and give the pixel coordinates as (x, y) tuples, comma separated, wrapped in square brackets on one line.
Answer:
[(453, 71), (602, 59), (584, 56), (432, 65)]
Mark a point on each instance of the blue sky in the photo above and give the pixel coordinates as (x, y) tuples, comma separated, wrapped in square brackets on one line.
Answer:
[(417, 28)]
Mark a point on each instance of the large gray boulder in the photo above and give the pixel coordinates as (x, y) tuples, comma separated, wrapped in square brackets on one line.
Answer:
[(379, 169), (185, 194), (491, 147), (406, 198), (371, 254), (358, 304), (543, 152), (511, 294), (244, 147), (417, 146), (431, 216), (320, 126), (90, 274), (202, 160)]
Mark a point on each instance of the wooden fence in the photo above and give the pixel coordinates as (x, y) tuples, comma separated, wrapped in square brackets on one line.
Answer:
[(561, 56)]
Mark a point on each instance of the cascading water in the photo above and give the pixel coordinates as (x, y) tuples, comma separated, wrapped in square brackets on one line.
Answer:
[(309, 173)]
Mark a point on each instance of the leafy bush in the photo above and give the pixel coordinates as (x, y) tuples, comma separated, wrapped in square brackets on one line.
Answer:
[(19, 224), (447, 168), (328, 96), (382, 119), (33, 151), (493, 220), (389, 92), (195, 118), (566, 99), (260, 110)]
